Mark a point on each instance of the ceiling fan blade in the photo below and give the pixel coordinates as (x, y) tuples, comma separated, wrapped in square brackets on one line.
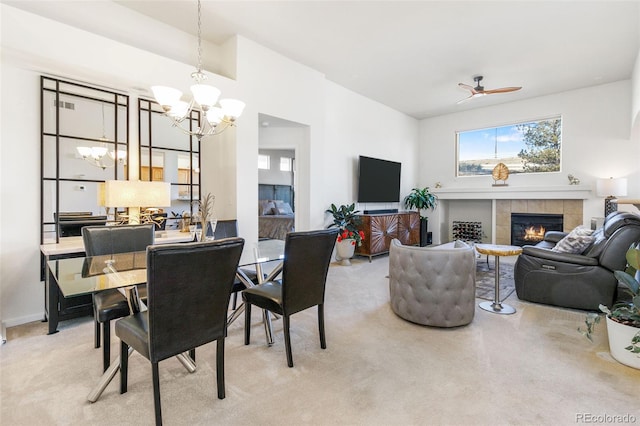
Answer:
[(467, 87), (502, 90), (461, 101)]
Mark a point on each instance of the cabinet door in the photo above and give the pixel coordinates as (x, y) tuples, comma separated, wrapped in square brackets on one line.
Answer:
[(383, 230), (409, 228)]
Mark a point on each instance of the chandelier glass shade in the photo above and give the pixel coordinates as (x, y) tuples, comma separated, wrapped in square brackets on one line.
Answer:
[(218, 114), (100, 156)]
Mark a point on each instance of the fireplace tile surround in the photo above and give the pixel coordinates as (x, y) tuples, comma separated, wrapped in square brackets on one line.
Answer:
[(493, 207), (571, 210)]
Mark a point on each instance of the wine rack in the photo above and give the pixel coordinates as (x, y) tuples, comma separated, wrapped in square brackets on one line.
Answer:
[(467, 231)]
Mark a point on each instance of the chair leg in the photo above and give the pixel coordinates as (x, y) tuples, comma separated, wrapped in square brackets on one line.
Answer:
[(220, 367), (106, 345), (323, 340), (97, 333), (124, 366), (287, 340), (247, 322), (235, 300), (156, 393), (192, 355), (96, 325)]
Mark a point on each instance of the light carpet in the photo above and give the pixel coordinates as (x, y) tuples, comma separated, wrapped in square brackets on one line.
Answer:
[(530, 368)]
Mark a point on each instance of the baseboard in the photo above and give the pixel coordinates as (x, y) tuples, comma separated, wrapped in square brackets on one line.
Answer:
[(12, 322)]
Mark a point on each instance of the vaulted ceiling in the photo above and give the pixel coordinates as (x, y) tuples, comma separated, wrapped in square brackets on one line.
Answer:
[(411, 55)]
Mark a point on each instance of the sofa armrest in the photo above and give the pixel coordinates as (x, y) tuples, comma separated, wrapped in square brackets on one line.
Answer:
[(554, 236), (545, 254)]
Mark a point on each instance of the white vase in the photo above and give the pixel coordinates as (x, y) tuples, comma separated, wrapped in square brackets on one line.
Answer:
[(620, 336), (344, 251)]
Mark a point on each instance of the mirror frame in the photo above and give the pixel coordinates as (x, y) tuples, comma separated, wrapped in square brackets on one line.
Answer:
[(152, 109), (59, 87)]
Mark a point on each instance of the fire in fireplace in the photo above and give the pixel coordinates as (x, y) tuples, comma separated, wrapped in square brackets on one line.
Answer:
[(529, 228)]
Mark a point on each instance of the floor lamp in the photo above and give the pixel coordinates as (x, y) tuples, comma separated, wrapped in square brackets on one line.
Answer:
[(611, 189), (134, 194)]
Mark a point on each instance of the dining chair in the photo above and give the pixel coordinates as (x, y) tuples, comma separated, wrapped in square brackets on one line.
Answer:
[(304, 276), (111, 304), (188, 288), (226, 229)]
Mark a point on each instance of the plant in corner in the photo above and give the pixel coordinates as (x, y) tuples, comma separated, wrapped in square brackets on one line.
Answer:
[(421, 199), (623, 319), (346, 219)]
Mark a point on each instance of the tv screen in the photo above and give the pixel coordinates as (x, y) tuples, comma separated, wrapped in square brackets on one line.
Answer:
[(378, 181)]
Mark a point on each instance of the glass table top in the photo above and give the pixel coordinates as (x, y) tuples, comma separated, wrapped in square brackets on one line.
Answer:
[(86, 275)]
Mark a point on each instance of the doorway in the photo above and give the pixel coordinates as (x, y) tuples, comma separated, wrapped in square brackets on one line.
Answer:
[(279, 143)]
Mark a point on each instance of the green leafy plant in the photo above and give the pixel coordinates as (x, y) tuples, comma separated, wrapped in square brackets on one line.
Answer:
[(346, 219), (628, 312), (421, 199)]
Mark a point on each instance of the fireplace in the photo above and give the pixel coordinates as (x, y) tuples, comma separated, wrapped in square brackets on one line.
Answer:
[(529, 228)]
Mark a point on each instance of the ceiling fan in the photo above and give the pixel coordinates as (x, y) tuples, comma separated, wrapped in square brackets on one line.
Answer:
[(479, 90)]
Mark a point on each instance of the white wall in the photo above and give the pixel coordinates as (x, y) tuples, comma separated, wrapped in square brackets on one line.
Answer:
[(595, 141), (357, 126)]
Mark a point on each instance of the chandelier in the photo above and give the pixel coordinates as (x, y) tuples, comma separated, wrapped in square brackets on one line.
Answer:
[(205, 98), (100, 156)]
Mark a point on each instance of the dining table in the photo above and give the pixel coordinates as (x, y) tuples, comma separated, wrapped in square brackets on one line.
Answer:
[(124, 271)]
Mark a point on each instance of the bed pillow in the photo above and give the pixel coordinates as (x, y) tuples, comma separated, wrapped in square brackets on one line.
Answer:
[(576, 241), (266, 207), (283, 208)]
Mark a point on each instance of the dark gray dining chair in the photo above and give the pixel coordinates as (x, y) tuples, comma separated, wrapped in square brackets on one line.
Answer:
[(304, 276), (188, 288), (111, 304), (226, 229)]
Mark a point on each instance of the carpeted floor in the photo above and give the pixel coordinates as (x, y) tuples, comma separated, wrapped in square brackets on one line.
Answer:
[(529, 368)]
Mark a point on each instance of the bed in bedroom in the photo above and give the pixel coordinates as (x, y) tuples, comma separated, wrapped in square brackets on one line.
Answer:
[(275, 214)]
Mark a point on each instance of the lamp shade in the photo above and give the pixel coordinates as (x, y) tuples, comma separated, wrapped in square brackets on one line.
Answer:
[(166, 96), (136, 193), (611, 187), (205, 95), (232, 108)]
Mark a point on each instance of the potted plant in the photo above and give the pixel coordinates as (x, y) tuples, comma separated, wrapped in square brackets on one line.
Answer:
[(346, 219), (623, 319), (421, 199)]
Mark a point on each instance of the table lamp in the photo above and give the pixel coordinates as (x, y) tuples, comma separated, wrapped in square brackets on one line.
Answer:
[(134, 194), (611, 189)]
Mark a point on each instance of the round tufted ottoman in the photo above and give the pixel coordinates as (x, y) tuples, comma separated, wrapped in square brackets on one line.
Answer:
[(433, 285)]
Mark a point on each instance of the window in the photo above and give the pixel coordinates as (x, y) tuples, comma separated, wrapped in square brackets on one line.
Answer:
[(285, 164), (529, 147), (264, 162)]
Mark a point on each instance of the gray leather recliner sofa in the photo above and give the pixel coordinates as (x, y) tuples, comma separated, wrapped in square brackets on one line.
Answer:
[(433, 285), (579, 281)]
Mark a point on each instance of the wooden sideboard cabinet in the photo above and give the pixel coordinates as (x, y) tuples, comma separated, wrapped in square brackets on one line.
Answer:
[(380, 229)]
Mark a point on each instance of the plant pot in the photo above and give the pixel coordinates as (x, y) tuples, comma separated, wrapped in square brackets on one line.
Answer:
[(620, 336), (344, 251)]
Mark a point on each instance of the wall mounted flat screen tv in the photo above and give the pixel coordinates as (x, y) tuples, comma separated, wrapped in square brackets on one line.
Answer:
[(378, 180)]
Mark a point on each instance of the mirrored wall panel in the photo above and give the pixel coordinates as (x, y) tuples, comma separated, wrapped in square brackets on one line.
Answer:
[(167, 154), (84, 141)]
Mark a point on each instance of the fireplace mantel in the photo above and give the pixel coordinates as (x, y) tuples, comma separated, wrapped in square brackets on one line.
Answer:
[(565, 192)]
